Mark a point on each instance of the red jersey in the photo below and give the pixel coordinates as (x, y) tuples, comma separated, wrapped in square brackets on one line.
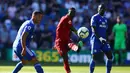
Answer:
[(63, 30)]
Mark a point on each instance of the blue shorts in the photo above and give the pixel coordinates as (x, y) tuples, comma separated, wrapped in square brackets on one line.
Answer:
[(29, 53), (97, 46)]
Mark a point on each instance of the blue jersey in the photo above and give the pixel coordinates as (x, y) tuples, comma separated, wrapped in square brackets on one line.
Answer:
[(27, 26), (100, 23)]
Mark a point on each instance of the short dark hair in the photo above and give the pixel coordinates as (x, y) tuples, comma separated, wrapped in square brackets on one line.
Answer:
[(37, 12), (103, 5), (72, 9)]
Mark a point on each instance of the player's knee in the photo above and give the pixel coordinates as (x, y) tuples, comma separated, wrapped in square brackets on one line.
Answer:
[(34, 61), (24, 62), (65, 57), (94, 57), (111, 58)]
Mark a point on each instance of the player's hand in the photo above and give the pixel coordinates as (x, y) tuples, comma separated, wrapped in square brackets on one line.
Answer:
[(23, 53), (102, 40)]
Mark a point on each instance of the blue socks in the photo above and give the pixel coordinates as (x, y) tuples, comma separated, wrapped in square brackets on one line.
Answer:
[(18, 67), (38, 68), (92, 66), (109, 66)]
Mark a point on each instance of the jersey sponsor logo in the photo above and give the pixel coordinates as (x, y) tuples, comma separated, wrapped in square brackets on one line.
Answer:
[(103, 25)]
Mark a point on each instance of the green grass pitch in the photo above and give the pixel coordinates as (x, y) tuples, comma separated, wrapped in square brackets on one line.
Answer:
[(60, 69)]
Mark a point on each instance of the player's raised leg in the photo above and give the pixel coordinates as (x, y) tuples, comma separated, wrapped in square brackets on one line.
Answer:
[(75, 47)]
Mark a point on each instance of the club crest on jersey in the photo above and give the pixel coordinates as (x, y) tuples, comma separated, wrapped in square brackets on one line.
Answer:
[(29, 27), (106, 21)]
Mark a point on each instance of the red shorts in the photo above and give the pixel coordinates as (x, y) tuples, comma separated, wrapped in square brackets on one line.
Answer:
[(62, 46)]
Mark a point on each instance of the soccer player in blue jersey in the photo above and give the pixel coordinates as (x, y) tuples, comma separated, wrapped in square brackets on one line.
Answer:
[(98, 38), (21, 43)]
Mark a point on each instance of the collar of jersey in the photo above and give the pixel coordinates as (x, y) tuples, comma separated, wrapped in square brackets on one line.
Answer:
[(68, 17), (32, 21), (100, 15)]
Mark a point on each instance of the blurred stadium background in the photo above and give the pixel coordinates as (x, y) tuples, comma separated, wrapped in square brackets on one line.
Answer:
[(14, 12)]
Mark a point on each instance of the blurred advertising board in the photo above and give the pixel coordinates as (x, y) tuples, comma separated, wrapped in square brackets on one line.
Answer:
[(53, 56)]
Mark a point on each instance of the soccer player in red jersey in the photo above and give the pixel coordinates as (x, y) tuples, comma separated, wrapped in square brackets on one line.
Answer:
[(63, 43)]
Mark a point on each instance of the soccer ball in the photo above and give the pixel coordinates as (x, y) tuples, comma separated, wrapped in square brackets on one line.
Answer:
[(83, 32)]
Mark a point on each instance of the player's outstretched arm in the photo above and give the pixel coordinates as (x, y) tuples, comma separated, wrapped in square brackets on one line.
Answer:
[(23, 42), (73, 30), (80, 43)]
